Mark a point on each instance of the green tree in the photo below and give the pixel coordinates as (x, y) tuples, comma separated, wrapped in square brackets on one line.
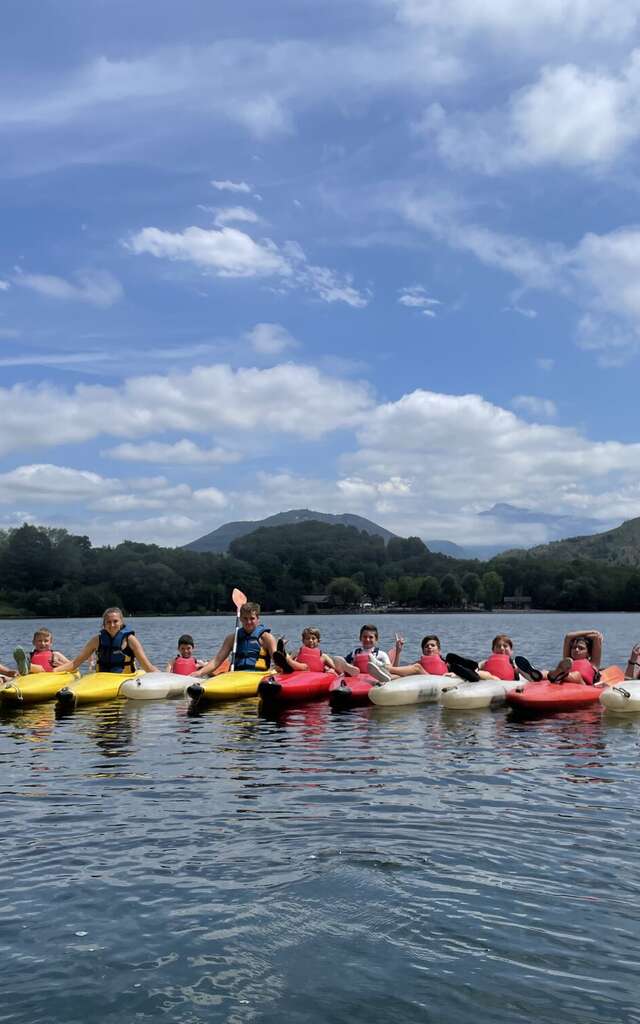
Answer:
[(345, 591), (493, 588)]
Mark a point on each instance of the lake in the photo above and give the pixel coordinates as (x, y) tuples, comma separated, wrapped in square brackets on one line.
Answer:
[(376, 865)]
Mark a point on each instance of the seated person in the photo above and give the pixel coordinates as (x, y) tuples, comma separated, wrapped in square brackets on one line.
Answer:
[(581, 657), (430, 663), (252, 645), (42, 658), (185, 662), (368, 649), (310, 658)]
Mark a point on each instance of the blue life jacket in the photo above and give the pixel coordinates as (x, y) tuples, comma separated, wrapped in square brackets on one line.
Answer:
[(250, 654), (111, 655)]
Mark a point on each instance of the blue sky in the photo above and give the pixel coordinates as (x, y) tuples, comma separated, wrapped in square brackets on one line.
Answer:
[(374, 256)]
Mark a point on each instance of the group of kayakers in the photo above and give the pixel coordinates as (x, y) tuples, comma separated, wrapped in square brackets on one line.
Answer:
[(253, 647)]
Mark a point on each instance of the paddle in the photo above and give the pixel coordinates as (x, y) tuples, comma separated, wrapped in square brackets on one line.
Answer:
[(238, 599), (611, 675)]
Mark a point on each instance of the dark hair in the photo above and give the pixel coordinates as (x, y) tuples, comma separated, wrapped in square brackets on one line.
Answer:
[(185, 639), (430, 636), (588, 640), (369, 629)]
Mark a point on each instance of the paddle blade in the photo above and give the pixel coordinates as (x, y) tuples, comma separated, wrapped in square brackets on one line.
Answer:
[(238, 598), (611, 675)]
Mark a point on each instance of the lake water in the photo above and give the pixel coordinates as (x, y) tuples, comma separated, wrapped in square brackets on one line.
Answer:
[(377, 865)]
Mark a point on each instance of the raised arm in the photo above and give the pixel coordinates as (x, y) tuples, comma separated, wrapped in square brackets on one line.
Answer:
[(596, 638)]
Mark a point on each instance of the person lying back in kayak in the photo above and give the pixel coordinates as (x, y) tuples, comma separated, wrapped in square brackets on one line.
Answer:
[(581, 657), (184, 662), (431, 663), (310, 658), (254, 646), (42, 658), (116, 648)]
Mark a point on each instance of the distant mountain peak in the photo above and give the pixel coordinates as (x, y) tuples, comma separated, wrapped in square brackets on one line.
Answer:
[(220, 539)]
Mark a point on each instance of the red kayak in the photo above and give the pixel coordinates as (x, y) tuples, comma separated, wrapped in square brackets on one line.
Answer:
[(547, 696), (297, 686), (346, 691)]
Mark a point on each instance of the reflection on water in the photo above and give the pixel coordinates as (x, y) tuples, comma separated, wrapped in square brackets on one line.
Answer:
[(372, 865)]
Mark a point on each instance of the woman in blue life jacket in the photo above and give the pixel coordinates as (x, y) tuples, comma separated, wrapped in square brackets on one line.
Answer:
[(116, 648), (255, 645)]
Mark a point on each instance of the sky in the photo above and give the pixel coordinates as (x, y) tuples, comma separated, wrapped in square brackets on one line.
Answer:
[(368, 256)]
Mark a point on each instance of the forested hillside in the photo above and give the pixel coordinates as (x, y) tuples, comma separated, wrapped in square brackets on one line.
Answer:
[(49, 572)]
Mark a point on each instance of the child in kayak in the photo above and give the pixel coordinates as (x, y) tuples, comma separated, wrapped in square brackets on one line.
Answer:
[(184, 663), (42, 658), (368, 652), (253, 643), (116, 647), (310, 658), (581, 657), (431, 663)]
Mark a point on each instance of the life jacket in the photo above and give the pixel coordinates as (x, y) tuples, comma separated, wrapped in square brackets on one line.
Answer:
[(184, 666), (312, 658), (360, 658), (434, 664), (250, 655), (588, 671), (111, 655), (501, 666), (44, 659)]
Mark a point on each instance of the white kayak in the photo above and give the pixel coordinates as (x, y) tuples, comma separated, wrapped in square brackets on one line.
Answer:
[(154, 686), (418, 689), (483, 694), (623, 698)]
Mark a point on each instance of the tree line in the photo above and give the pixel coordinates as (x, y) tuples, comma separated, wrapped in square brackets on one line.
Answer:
[(50, 572)]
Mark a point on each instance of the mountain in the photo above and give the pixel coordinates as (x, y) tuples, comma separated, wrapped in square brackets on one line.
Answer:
[(620, 546), (220, 539)]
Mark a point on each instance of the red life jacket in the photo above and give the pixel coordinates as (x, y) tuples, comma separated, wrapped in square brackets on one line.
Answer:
[(434, 664), (312, 658), (586, 670), (44, 659), (501, 666), (184, 666)]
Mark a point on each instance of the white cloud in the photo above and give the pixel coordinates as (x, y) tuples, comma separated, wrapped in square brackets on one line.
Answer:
[(231, 186), (229, 252), (97, 287), (4, 286), (184, 453), (539, 408), (416, 297), (270, 339), (287, 399), (235, 214), (52, 484)]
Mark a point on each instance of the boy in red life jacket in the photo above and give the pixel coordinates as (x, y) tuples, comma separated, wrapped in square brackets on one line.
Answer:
[(43, 658), (185, 662), (581, 657), (431, 663), (310, 658), (500, 664), (368, 652)]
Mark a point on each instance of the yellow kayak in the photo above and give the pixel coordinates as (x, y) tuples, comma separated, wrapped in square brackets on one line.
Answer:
[(34, 688), (227, 686), (91, 689)]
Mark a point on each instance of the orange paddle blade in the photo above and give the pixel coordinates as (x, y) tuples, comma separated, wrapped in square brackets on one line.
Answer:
[(612, 674), (224, 667), (238, 598)]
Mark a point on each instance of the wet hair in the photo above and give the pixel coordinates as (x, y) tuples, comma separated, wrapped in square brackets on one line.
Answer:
[(430, 636), (185, 639), (588, 640), (501, 636), (311, 631), (249, 607), (369, 629), (112, 611), (42, 634)]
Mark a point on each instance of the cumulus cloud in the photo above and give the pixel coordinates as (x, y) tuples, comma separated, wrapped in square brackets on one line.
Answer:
[(235, 214), (270, 339), (229, 252), (45, 482), (182, 453), (97, 287), (310, 405), (416, 297), (570, 116)]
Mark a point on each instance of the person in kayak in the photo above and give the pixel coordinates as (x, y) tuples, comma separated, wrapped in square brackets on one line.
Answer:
[(184, 662), (310, 658), (368, 650), (254, 645), (581, 657), (431, 663), (42, 658), (116, 648)]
